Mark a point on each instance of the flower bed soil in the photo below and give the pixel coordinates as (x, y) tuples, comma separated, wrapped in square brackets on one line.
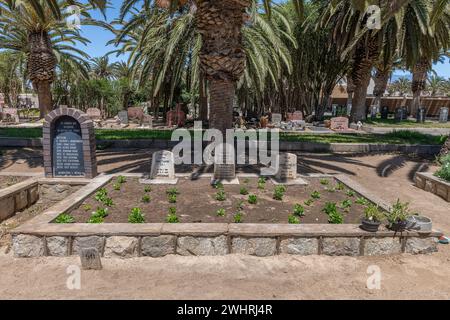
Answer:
[(8, 181), (196, 202)]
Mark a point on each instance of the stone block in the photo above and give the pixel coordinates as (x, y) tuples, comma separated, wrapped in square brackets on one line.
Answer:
[(299, 246), (27, 246), (202, 246), (382, 246), (33, 195), (340, 246), (421, 245), (123, 247), (6, 208), (158, 246), (21, 200), (57, 246), (87, 242), (261, 247), (419, 181)]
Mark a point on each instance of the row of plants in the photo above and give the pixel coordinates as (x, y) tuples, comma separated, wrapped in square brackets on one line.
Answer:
[(444, 171)]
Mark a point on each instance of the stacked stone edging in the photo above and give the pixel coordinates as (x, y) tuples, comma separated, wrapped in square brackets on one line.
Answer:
[(428, 182), (18, 197)]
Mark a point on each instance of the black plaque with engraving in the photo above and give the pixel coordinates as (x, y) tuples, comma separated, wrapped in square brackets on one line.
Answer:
[(67, 148)]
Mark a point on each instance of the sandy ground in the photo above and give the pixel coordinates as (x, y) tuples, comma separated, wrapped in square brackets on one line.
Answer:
[(244, 277)]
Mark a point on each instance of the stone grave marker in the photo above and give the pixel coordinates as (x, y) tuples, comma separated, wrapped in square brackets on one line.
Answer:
[(443, 115), (420, 116), (90, 259), (94, 113), (339, 123), (297, 116), (398, 114), (10, 115), (287, 170), (334, 110), (123, 117), (69, 144), (224, 164), (135, 113), (163, 169), (384, 112), (276, 119)]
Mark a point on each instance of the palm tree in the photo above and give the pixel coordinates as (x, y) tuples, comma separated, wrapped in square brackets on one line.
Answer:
[(435, 85), (402, 85), (222, 56), (100, 68), (39, 30)]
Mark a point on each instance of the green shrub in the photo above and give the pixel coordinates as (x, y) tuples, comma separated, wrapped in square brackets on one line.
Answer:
[(315, 195), (350, 193), (347, 203), (299, 210), (121, 179), (96, 219), (362, 201), (172, 216), (100, 212), (308, 202), (340, 186), (237, 217), (444, 171), (262, 183), (117, 186), (292, 219), (220, 212), (252, 199), (243, 191), (331, 190), (146, 198), (398, 213), (108, 202), (324, 182), (279, 192), (101, 195), (148, 189), (172, 191), (136, 216), (87, 207), (218, 185), (172, 198), (240, 205), (334, 216), (220, 195), (65, 218), (373, 213)]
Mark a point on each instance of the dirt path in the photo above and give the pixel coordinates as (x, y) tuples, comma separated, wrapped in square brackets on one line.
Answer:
[(244, 277)]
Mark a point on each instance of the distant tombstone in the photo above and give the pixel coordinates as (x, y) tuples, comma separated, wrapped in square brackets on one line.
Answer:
[(276, 119), (176, 117), (404, 113), (384, 112), (373, 112), (135, 113), (398, 116), (443, 115), (349, 110), (90, 259), (10, 115), (339, 123), (69, 144), (334, 110), (420, 116), (224, 164), (287, 167), (123, 117), (94, 113)]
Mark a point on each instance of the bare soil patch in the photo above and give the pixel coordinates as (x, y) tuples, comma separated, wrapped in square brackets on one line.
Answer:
[(197, 203)]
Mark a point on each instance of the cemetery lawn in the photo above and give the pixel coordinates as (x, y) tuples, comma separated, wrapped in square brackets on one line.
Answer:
[(7, 181), (197, 202), (406, 123), (398, 137)]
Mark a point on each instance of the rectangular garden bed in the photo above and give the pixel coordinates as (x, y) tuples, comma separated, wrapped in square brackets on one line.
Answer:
[(428, 182), (42, 237)]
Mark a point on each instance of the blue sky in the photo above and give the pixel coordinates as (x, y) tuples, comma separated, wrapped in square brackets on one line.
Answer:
[(99, 37)]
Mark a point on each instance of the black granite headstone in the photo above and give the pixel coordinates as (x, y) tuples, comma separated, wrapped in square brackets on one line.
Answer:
[(398, 114), (67, 147), (420, 116), (384, 112)]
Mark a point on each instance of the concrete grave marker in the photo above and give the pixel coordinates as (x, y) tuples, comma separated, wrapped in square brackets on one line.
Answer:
[(297, 115), (339, 123), (224, 165), (163, 169), (123, 117), (287, 170), (443, 115), (94, 113), (10, 115), (69, 144), (90, 259), (276, 119)]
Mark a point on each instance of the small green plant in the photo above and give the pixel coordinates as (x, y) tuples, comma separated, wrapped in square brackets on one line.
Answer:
[(87, 207), (262, 183), (347, 203), (237, 217), (136, 216), (292, 219), (96, 219), (373, 213), (315, 195), (324, 182), (262, 180), (444, 171), (220, 195), (399, 212), (121, 179), (101, 195), (218, 185), (108, 202), (172, 216), (117, 186), (65, 218), (331, 190), (240, 205), (362, 201), (350, 193), (172, 191), (308, 202), (340, 186), (146, 198), (279, 192), (220, 212), (252, 199), (100, 212), (334, 216), (243, 191), (299, 211), (172, 198), (148, 189)]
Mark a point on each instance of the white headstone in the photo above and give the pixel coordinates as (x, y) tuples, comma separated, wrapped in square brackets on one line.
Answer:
[(123, 117), (443, 115), (287, 167), (224, 164), (276, 119), (163, 165)]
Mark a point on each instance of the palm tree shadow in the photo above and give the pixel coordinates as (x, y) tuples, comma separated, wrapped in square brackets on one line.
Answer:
[(389, 166)]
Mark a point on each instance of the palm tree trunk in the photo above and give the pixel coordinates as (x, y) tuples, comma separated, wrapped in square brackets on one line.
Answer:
[(381, 81), (221, 101), (359, 110), (44, 97), (419, 82), (203, 99)]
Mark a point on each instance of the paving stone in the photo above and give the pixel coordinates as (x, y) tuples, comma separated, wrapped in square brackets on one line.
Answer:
[(261, 247), (299, 246), (421, 245), (27, 246), (87, 242), (340, 246), (202, 246), (382, 246), (159, 246), (124, 247), (57, 246)]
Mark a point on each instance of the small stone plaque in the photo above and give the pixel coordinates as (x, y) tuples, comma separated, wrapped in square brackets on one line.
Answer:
[(163, 165), (224, 164), (287, 166), (67, 148), (123, 117), (339, 123), (443, 115), (90, 259), (276, 119)]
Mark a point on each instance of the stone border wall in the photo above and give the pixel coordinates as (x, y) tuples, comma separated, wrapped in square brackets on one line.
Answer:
[(18, 197), (428, 182), (40, 237), (87, 135)]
